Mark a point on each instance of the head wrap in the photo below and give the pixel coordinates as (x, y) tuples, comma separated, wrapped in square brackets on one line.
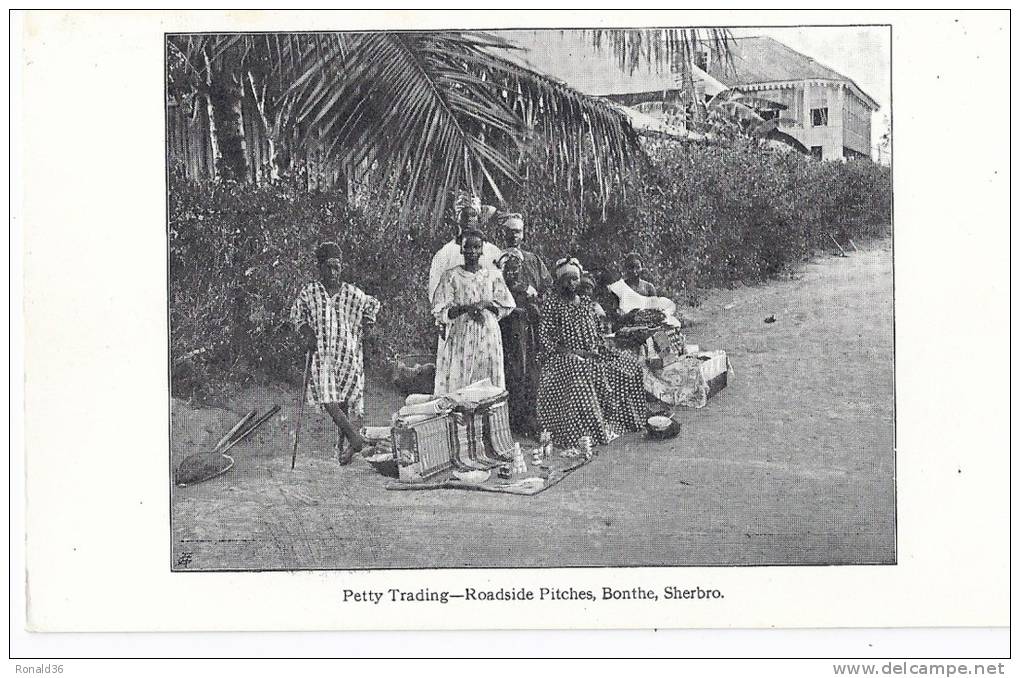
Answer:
[(512, 220), (564, 265), (465, 201), (328, 250)]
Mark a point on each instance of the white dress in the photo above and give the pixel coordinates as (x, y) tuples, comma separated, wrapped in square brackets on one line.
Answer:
[(473, 350)]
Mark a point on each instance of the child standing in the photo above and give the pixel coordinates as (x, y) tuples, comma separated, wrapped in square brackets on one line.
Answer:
[(330, 316)]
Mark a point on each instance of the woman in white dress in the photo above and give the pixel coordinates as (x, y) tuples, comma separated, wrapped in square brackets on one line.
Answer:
[(469, 303)]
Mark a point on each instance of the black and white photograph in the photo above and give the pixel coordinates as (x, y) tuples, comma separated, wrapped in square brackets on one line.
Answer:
[(558, 298), (510, 333)]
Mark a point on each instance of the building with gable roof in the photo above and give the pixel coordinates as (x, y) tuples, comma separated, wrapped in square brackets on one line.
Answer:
[(826, 111)]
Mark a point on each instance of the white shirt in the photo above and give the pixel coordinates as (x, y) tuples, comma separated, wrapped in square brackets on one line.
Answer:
[(630, 300), (449, 256)]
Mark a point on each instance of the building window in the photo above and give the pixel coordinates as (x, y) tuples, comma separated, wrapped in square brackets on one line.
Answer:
[(769, 114), (819, 117), (816, 152)]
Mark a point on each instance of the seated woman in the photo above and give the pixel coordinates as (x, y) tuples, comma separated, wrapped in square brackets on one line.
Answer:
[(586, 388), (633, 269), (469, 302), (633, 295)]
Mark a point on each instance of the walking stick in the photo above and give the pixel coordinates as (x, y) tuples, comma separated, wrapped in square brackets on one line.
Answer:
[(301, 408)]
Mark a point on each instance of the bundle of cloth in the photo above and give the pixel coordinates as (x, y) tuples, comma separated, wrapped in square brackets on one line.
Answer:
[(476, 393), (658, 334), (421, 406), (630, 301)]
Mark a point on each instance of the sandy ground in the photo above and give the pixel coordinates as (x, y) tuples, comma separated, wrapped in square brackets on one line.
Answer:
[(793, 463)]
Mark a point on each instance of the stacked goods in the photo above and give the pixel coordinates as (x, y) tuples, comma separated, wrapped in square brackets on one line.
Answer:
[(715, 370), (689, 381), (422, 448), (663, 348), (482, 425), (519, 465), (422, 444), (466, 430)]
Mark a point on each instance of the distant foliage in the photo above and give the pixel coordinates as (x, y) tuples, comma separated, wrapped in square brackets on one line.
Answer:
[(702, 216)]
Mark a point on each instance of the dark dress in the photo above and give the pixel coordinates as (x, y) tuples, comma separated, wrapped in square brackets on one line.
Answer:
[(535, 273), (520, 361), (599, 397)]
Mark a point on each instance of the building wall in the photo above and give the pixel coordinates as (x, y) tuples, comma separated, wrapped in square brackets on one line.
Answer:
[(799, 100), (791, 97), (830, 136), (856, 124)]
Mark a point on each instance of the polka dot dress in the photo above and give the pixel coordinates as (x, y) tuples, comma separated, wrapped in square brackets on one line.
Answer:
[(597, 397)]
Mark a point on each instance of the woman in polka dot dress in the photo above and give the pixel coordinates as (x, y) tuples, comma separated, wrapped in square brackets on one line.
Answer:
[(586, 388)]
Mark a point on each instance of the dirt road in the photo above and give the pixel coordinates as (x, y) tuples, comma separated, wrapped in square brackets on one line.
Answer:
[(793, 463)]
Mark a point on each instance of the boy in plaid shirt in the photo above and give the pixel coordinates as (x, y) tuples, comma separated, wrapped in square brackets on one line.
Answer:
[(330, 317)]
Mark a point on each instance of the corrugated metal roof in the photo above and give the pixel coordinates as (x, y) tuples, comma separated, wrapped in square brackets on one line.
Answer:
[(761, 59)]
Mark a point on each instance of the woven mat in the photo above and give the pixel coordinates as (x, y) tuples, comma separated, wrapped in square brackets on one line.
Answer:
[(536, 480)]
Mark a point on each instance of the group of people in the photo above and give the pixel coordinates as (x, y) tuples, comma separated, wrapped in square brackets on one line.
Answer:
[(500, 316)]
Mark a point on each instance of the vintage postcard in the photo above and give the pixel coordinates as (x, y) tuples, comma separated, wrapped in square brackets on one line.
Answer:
[(579, 321)]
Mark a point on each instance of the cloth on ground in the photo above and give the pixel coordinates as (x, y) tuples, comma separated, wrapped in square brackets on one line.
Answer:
[(538, 479)]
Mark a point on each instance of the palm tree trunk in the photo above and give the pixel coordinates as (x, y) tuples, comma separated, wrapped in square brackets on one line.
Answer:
[(267, 128), (214, 144), (226, 92)]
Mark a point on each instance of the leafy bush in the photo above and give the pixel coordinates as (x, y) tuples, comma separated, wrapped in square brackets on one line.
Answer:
[(239, 255), (701, 215)]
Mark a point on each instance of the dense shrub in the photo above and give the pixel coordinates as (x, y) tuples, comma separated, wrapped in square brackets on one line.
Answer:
[(239, 254), (702, 216)]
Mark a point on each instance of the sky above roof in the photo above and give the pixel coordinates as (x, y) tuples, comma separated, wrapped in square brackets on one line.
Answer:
[(861, 53)]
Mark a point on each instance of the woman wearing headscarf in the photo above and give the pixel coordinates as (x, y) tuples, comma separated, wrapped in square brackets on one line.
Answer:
[(469, 302), (468, 213), (586, 388), (520, 345)]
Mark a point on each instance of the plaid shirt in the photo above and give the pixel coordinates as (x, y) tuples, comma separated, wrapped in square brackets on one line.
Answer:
[(338, 365)]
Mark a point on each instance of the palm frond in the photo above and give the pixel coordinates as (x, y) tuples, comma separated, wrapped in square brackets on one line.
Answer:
[(407, 104), (425, 112), (670, 49)]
